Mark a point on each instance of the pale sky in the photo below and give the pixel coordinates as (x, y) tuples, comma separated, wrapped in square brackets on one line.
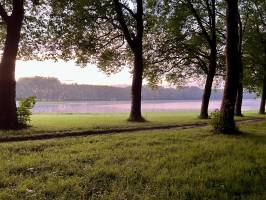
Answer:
[(69, 72)]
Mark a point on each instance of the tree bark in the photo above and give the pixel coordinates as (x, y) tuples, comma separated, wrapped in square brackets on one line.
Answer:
[(8, 110), (135, 42), (239, 99), (226, 121), (136, 89), (208, 85), (135, 113), (212, 40), (263, 95)]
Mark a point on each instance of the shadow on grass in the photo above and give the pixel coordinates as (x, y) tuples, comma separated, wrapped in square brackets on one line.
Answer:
[(257, 138)]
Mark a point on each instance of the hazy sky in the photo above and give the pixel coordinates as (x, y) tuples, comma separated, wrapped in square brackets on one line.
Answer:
[(69, 72)]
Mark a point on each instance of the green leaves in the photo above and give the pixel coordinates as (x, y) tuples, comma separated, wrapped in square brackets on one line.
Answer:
[(254, 50), (24, 110), (110, 61)]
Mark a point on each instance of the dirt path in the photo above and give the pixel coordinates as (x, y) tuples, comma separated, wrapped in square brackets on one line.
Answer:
[(46, 136)]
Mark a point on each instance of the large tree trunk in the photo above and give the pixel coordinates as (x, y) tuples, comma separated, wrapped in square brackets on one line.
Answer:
[(135, 42), (208, 84), (240, 88), (239, 99), (263, 95), (135, 113), (206, 97), (227, 123), (212, 65), (8, 111)]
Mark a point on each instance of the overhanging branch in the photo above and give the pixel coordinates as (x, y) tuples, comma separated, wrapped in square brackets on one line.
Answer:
[(129, 10), (196, 15), (121, 19), (3, 13)]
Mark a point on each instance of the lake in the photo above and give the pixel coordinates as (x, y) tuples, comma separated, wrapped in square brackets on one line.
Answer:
[(124, 106)]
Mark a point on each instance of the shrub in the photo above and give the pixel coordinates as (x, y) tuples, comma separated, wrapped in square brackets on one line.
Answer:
[(24, 110), (218, 125), (215, 117)]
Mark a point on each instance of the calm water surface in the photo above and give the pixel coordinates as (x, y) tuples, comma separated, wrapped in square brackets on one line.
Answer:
[(124, 106)]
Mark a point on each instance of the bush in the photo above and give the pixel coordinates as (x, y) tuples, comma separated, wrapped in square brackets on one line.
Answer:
[(24, 110), (215, 117), (219, 126)]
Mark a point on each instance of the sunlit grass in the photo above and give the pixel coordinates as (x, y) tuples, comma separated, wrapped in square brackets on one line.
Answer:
[(50, 123), (170, 164), (43, 123)]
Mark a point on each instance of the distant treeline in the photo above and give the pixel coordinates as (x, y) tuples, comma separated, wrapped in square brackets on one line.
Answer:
[(51, 89)]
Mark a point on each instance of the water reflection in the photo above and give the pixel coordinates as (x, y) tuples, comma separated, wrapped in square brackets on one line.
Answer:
[(124, 106)]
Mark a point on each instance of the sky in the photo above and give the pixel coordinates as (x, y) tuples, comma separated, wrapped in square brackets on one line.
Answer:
[(69, 72)]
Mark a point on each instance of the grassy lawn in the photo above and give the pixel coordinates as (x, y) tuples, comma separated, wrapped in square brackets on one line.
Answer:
[(77, 122), (49, 123), (170, 164)]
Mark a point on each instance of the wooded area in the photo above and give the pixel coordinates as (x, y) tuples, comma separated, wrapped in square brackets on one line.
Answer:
[(51, 89), (175, 40)]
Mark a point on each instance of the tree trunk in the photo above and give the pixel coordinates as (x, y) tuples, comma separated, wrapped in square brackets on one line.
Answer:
[(135, 42), (240, 88), (226, 122), (8, 110), (212, 40), (208, 84), (135, 113), (137, 48), (263, 96), (239, 99)]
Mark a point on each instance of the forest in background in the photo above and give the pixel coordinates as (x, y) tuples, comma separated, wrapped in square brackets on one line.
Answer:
[(51, 89)]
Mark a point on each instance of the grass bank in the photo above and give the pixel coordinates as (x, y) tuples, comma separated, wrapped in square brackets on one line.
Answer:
[(170, 164)]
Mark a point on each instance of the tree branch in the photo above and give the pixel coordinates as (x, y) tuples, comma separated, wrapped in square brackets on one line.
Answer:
[(123, 24), (246, 23), (18, 7), (196, 15), (3, 13), (139, 20), (260, 15), (109, 20), (210, 12), (111, 40), (129, 10)]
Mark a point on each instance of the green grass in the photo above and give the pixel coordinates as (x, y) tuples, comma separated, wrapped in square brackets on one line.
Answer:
[(50, 123), (170, 164), (77, 122)]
